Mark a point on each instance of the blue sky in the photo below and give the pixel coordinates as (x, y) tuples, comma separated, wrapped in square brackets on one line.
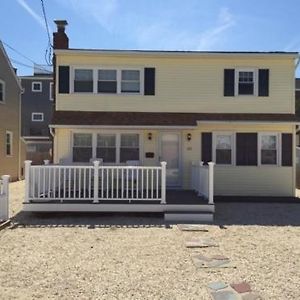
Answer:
[(229, 25)]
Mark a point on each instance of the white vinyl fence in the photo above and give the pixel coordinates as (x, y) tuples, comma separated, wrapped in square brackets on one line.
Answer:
[(4, 198), (94, 182), (202, 180)]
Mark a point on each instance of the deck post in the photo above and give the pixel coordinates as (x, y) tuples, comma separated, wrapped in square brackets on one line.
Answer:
[(163, 181), (4, 200), (27, 164), (211, 182), (46, 162), (96, 180), (199, 178)]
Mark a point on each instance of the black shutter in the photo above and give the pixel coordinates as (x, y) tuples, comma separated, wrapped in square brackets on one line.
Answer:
[(287, 149), (229, 82), (206, 147), (63, 79), (263, 82), (246, 149), (149, 81)]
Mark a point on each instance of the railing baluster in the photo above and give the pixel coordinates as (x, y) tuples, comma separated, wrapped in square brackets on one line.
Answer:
[(70, 178), (132, 183), (147, 183), (90, 183), (157, 172), (84, 183), (117, 184), (152, 183), (112, 183), (39, 183), (127, 183), (59, 188), (107, 182), (79, 184), (142, 184), (102, 182), (122, 183), (137, 183), (65, 184)]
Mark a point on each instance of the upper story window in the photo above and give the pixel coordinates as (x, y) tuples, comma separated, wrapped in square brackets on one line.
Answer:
[(9, 142), (268, 149), (37, 117), (130, 81), (107, 81), (2, 91), (36, 86), (83, 81), (51, 91), (245, 82)]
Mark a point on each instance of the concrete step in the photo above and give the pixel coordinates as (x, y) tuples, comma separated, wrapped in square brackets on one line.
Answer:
[(189, 217), (189, 208)]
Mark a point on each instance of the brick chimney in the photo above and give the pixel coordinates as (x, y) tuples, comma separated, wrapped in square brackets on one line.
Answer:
[(60, 39)]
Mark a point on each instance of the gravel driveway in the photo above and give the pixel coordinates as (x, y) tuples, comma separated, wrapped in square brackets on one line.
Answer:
[(57, 256)]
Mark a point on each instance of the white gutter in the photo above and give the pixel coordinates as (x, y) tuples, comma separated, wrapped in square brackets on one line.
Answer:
[(248, 122), (121, 127)]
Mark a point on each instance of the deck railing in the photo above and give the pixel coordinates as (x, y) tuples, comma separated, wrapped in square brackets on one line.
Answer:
[(4, 198), (202, 180), (94, 182)]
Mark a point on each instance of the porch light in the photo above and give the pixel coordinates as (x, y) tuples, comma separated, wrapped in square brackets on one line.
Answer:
[(149, 136), (189, 136)]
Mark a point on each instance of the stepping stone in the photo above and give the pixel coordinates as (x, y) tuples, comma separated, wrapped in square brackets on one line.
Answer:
[(201, 261), (219, 285), (224, 295), (191, 227), (201, 243), (251, 296), (242, 287)]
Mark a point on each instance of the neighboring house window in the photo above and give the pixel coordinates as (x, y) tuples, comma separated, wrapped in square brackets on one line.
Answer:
[(130, 81), (106, 147), (83, 81), (246, 81), (31, 148), (107, 81), (268, 149), (2, 91), (9, 142), (36, 86), (129, 147), (82, 147), (51, 91), (37, 117), (223, 146)]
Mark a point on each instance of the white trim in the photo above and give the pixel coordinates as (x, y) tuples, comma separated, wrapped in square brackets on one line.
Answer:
[(236, 81), (233, 148), (34, 90), (120, 127), (3, 92), (248, 122), (10, 133), (51, 91), (36, 137), (106, 67), (35, 114), (278, 149)]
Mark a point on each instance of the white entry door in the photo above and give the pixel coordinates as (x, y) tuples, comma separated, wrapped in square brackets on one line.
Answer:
[(170, 152)]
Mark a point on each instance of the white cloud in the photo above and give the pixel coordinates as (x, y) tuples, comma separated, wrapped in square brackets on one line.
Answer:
[(32, 13), (101, 11)]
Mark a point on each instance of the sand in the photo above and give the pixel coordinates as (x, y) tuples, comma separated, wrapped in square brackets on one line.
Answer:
[(63, 256)]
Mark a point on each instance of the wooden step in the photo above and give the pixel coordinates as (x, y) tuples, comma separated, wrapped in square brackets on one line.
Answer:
[(189, 217)]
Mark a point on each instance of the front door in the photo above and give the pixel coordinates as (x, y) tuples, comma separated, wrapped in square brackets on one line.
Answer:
[(170, 152)]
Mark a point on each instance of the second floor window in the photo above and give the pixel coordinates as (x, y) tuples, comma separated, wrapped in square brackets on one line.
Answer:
[(130, 81), (37, 117), (2, 91), (36, 86), (107, 81), (51, 91), (83, 81), (245, 83)]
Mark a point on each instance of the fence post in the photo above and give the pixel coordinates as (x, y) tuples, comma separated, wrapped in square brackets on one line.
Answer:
[(211, 182), (4, 199), (96, 180), (199, 179), (27, 164), (163, 181), (46, 162)]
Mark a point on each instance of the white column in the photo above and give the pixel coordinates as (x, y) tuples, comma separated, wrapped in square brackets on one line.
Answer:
[(163, 181), (4, 199), (27, 164), (96, 180), (211, 182)]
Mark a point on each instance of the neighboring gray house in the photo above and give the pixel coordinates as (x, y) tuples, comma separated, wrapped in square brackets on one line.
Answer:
[(37, 106)]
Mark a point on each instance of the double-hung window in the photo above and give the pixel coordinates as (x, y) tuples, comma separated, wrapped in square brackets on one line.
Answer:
[(83, 81), (106, 147), (2, 91), (268, 149), (82, 147), (129, 147), (37, 117), (245, 82), (9, 142), (107, 81), (223, 148), (130, 81)]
